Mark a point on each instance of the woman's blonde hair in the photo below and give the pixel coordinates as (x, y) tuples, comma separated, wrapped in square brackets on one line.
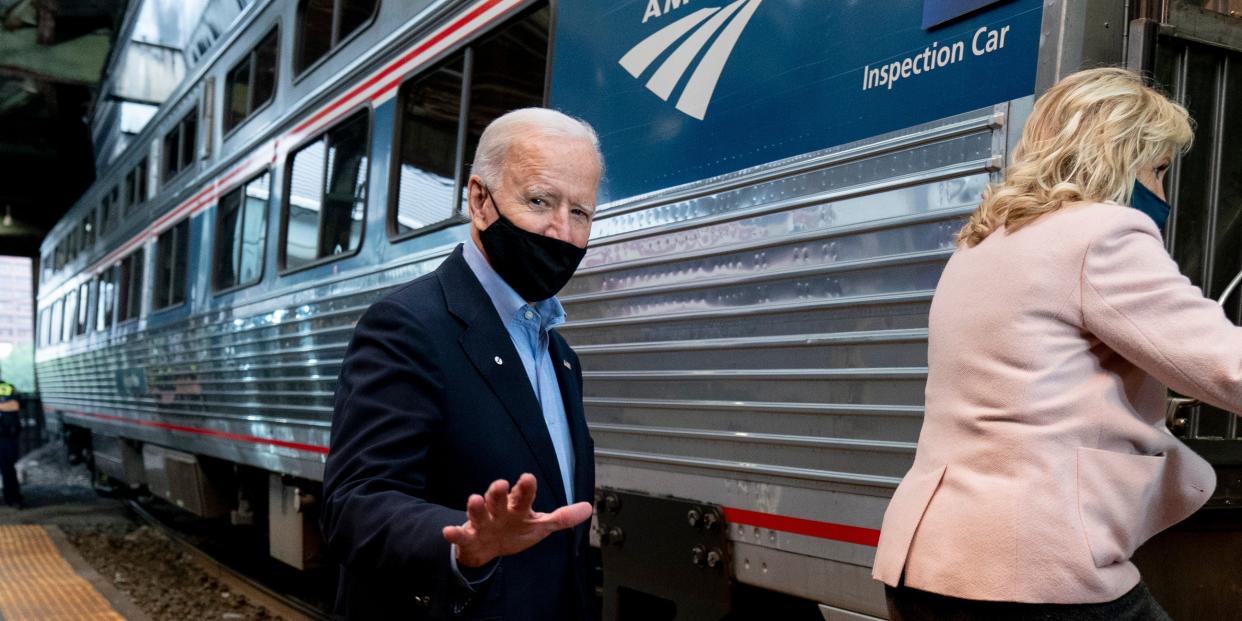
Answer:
[(1084, 141)]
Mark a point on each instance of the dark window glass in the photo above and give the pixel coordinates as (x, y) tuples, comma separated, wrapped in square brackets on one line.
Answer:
[(264, 71), (128, 191), (129, 287), (189, 138), (172, 152), (237, 95), (180, 144), (241, 234), (430, 113), (323, 24), (314, 32), (508, 74), (344, 199), (105, 215), (327, 194), (507, 71), (171, 261), (251, 83), (354, 13), (140, 187)]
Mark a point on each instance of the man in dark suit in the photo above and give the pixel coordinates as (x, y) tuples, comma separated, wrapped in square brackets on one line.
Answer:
[(456, 384)]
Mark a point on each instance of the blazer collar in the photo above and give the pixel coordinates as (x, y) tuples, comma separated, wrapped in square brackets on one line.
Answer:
[(489, 348)]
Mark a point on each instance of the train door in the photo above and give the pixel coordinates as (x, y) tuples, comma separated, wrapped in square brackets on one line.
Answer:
[(1193, 52)]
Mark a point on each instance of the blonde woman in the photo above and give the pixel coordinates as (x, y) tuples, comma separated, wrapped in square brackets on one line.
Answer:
[(1044, 461)]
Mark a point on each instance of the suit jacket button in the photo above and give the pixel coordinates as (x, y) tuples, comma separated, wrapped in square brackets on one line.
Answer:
[(422, 600)]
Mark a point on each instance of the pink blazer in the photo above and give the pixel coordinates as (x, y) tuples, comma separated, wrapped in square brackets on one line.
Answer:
[(1044, 460)]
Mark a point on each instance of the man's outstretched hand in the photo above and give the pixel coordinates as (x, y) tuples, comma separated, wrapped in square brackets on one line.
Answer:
[(501, 522)]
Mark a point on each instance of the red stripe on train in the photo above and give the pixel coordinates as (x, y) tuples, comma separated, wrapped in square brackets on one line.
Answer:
[(225, 435), (798, 526)]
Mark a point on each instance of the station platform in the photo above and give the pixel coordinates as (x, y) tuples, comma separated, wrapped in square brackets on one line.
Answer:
[(42, 578)]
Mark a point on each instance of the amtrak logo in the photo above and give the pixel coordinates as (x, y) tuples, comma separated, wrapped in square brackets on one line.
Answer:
[(696, 95)]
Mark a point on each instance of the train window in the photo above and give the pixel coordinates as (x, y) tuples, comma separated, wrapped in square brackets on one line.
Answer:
[(135, 190), (171, 261), (427, 158), (105, 214), (251, 83), (82, 324), (140, 183), (324, 24), (44, 327), (125, 204), (105, 294), (326, 197), (54, 330), (506, 72), (71, 315), (179, 145), (88, 230), (241, 234), (129, 287)]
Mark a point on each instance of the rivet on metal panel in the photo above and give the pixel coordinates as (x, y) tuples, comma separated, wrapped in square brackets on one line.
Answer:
[(616, 536), (710, 519)]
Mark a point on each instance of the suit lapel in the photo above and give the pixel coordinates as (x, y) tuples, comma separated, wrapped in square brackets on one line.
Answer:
[(571, 395), (490, 349)]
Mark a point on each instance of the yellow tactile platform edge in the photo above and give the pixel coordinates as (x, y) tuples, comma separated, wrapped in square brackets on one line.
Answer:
[(37, 584)]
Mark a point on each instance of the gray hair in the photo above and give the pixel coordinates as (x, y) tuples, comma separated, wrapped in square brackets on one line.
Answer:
[(510, 127)]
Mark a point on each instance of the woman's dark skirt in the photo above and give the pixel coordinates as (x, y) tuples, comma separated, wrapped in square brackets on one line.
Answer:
[(907, 604)]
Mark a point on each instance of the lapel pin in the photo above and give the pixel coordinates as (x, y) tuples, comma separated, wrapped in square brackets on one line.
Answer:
[(499, 361), (567, 365)]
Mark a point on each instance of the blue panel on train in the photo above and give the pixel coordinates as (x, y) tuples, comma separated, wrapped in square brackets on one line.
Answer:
[(937, 12), (680, 90)]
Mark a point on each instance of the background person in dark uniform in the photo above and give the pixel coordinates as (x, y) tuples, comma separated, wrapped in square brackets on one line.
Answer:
[(455, 384), (10, 432)]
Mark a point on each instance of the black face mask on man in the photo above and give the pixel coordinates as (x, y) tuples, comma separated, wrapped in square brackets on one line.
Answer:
[(536, 266)]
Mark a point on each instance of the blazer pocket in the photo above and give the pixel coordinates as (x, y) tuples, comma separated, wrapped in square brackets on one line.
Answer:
[(1115, 496)]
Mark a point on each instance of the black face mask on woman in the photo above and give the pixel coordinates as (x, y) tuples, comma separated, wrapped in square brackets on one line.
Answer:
[(536, 266)]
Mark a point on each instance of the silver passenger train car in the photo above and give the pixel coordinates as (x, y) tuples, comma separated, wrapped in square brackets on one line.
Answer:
[(784, 181)]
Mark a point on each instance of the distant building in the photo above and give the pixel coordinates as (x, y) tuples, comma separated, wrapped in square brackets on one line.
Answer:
[(17, 323), (16, 301)]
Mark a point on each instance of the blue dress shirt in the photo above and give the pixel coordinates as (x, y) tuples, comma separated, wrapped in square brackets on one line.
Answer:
[(528, 327)]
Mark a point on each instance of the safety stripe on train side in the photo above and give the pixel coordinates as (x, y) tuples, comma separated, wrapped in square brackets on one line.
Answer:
[(270, 152), (797, 526), (224, 435), (800, 526)]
